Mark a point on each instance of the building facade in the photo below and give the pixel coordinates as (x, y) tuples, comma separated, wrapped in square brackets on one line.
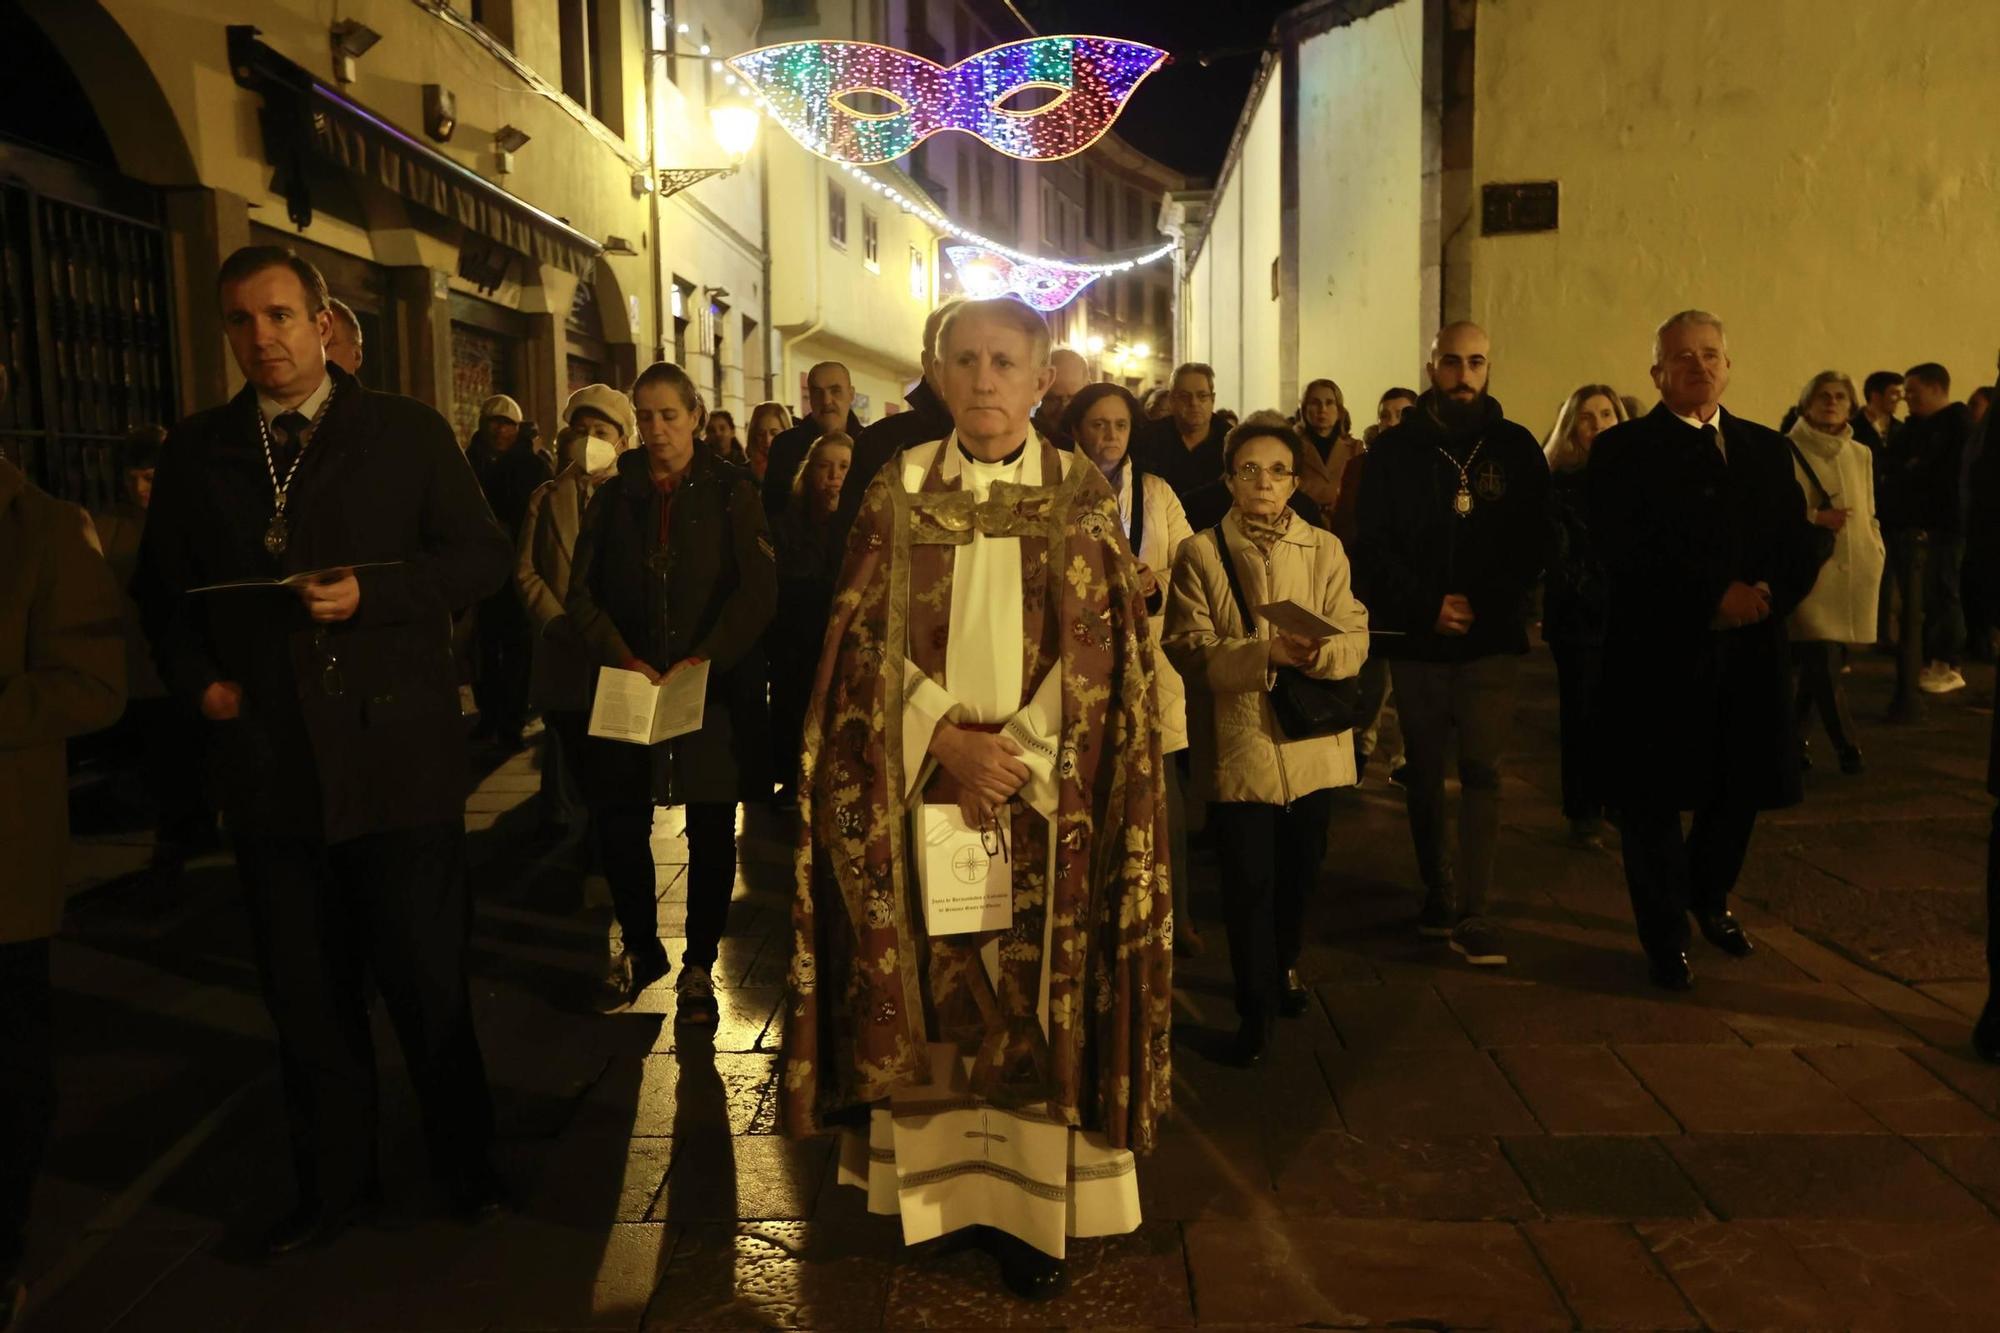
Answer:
[(1568, 173)]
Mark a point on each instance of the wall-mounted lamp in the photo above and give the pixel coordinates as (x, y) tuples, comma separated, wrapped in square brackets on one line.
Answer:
[(507, 141), (643, 184), (351, 40), (440, 112), (735, 125), (618, 245)]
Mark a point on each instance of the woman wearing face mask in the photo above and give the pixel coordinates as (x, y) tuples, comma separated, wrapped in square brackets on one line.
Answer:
[(597, 426), (673, 569), (1836, 472), (809, 557), (1327, 433), (1101, 419), (1573, 602), (767, 422), (1270, 795)]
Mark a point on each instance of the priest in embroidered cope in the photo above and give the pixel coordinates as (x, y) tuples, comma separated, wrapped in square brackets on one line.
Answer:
[(988, 651)]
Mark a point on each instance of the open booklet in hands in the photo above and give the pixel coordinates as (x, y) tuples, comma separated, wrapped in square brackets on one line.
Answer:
[(631, 708)]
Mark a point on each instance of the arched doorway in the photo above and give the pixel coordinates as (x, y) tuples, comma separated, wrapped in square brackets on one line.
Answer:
[(86, 290)]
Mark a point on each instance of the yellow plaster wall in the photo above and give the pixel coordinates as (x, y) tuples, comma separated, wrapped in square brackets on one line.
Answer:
[(1823, 174)]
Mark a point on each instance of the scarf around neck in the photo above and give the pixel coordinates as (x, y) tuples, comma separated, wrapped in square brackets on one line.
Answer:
[(1818, 441), (1264, 532)]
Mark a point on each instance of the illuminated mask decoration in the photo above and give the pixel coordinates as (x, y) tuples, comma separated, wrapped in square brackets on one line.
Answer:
[(863, 103), (984, 273)]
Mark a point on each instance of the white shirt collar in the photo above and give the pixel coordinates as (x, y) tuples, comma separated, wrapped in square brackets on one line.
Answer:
[(308, 409), (1715, 420)]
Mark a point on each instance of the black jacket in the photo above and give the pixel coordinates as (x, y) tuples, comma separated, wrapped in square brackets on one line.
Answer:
[(1413, 547), (347, 729), (708, 595), (1687, 713), (788, 455), (1159, 450), (1573, 591), (508, 479), (1917, 483), (928, 419)]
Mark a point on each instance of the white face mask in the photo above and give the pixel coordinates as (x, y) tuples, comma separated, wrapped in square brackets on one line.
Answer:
[(599, 455)]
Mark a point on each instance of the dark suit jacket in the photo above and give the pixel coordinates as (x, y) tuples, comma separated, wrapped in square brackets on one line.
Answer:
[(928, 419), (1688, 714), (347, 729)]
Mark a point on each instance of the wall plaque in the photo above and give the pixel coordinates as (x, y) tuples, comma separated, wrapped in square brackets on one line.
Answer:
[(1519, 206)]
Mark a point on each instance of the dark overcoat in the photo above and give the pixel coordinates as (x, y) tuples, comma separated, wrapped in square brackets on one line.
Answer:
[(708, 593), (1688, 714), (346, 729)]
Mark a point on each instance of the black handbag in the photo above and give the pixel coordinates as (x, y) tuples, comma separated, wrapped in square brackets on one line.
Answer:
[(1305, 706)]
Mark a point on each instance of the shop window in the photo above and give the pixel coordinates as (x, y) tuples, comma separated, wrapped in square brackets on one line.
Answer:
[(583, 56)]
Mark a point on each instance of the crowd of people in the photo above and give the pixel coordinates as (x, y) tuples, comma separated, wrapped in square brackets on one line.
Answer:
[(1220, 623)]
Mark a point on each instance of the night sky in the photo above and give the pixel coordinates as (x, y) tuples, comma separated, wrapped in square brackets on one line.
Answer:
[(1184, 114)]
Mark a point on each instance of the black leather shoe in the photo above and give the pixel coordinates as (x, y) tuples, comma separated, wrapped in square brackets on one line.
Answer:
[(1985, 1035), (1296, 998), (1028, 1273), (1851, 763), (478, 1195), (310, 1225), (1670, 971), (1248, 1047), (1724, 933)]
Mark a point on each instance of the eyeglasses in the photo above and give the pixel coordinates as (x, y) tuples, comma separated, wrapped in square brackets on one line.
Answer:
[(1252, 472)]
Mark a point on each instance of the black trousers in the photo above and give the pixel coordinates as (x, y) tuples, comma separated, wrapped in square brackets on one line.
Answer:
[(625, 849), (27, 1090), (392, 906), (1819, 689), (1909, 557), (1271, 856), (1668, 872), (1577, 669), (506, 649)]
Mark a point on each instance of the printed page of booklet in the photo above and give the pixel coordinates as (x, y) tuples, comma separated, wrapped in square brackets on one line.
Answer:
[(631, 708), (966, 889), (1288, 617)]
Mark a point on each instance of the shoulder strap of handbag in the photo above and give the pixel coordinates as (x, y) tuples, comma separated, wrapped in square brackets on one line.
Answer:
[(1825, 496), (1235, 583), (1138, 508)]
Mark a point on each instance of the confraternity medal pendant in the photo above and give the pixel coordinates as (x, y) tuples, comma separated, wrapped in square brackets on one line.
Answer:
[(274, 536), (1463, 501)]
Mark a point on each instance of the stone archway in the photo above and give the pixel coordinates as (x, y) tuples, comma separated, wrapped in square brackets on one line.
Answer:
[(127, 100)]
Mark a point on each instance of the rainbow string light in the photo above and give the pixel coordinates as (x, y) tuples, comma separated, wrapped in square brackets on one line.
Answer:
[(810, 86), (984, 273)]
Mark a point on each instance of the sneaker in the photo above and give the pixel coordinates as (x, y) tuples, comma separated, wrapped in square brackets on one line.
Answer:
[(1478, 943), (630, 973), (1939, 678), (1434, 921), (695, 996), (1953, 679)]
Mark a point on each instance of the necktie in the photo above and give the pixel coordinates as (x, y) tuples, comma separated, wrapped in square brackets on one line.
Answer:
[(287, 436), (1713, 439)]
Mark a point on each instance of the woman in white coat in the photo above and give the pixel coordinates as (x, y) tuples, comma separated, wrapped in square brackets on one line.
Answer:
[(1836, 472), (1270, 797), (1101, 419)]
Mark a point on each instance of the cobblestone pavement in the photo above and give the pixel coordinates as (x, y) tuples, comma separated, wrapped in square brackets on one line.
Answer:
[(1803, 1142)]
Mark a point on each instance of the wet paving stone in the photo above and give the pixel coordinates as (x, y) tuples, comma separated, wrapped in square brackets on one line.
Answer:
[(1582, 1090), (1134, 1281), (1451, 1179), (1624, 1178), (1607, 1276), (1872, 1176), (1724, 1090)]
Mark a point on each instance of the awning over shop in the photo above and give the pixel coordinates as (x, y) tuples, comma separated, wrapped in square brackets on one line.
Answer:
[(305, 119)]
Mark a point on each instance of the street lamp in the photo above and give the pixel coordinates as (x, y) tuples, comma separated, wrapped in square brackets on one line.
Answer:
[(1096, 343), (735, 127)]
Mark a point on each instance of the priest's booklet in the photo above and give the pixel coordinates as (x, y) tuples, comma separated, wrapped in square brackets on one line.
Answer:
[(630, 707)]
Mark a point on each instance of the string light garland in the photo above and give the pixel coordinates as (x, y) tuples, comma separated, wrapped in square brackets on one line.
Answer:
[(1045, 287), (810, 88)]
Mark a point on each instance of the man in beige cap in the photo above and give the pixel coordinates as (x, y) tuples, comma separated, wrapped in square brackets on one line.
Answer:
[(509, 471)]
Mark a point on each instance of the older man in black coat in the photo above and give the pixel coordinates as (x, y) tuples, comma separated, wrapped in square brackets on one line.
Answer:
[(334, 711), (830, 393), (1707, 549)]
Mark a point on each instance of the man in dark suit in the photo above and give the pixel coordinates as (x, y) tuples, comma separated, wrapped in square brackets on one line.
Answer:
[(1184, 448), (334, 714), (1707, 549), (830, 394)]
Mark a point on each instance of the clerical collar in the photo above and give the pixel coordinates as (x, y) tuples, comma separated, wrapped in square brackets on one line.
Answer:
[(272, 410), (1010, 459)]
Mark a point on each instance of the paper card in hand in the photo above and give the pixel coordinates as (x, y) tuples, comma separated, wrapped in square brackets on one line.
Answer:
[(331, 574), (1288, 617), (628, 707), (966, 887)]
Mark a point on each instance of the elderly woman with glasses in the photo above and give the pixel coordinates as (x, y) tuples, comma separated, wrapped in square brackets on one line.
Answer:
[(1270, 795)]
